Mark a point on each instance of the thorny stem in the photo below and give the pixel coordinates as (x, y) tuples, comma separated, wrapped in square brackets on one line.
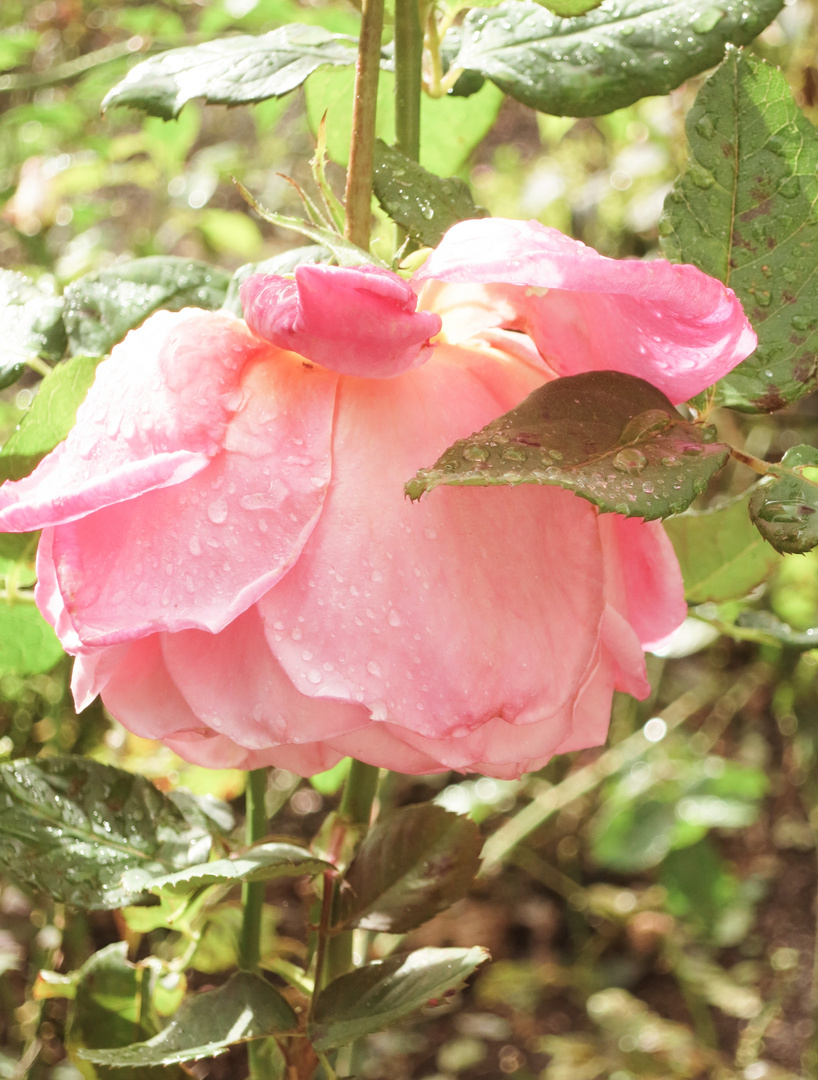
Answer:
[(358, 197)]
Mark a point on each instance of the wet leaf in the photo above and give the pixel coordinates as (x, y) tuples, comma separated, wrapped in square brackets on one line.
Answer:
[(420, 202), (206, 1024), (49, 418), (261, 863), (31, 325), (102, 307), (374, 996), (70, 827), (721, 553), (611, 438), (785, 508), (743, 211), (608, 58), (410, 867), (28, 645), (237, 70), (773, 629)]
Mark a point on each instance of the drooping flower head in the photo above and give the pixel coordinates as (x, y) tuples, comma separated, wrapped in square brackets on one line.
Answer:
[(228, 552)]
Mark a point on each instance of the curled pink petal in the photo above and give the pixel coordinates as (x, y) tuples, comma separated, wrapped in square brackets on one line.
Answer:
[(356, 321), (671, 325)]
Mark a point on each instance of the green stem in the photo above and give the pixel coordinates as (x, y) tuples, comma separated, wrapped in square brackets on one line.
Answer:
[(252, 892), (355, 810), (408, 62), (358, 197)]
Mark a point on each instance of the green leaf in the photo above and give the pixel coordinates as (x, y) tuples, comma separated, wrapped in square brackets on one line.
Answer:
[(611, 438), (71, 828), (452, 126), (416, 199), (102, 307), (408, 868), (50, 417), (113, 1007), (28, 645), (720, 552), (785, 508), (259, 863), (744, 211), (569, 9), (374, 996), (608, 58), (206, 1024), (231, 71), (31, 325)]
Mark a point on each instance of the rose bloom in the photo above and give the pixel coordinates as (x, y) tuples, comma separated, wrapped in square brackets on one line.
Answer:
[(228, 552)]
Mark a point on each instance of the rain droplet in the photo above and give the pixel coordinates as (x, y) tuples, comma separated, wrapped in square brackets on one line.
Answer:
[(476, 453), (217, 511), (630, 460)]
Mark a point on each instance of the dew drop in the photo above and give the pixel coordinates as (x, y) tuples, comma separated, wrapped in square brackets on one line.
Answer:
[(217, 511), (630, 460)]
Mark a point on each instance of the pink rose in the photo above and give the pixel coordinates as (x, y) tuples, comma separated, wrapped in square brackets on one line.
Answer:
[(228, 552)]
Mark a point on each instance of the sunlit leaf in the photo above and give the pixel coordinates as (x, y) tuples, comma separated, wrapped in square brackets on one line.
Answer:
[(260, 863), (71, 828), (236, 70), (611, 438), (743, 211), (206, 1024), (721, 553), (28, 645), (416, 863), (49, 418), (420, 202), (103, 306), (608, 58), (372, 997)]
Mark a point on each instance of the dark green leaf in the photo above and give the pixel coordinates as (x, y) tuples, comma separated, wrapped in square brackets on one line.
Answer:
[(30, 325), (720, 552), (71, 828), (608, 58), (374, 996), (611, 438), (785, 509), (230, 71), (775, 630), (205, 811), (206, 1024), (285, 263), (102, 307), (260, 863), (28, 645), (420, 202), (410, 867), (113, 1007), (743, 211), (50, 417)]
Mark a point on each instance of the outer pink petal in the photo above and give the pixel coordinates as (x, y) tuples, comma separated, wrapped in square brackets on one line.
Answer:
[(155, 415), (439, 616), (356, 321), (237, 688), (644, 580), (671, 325), (199, 553)]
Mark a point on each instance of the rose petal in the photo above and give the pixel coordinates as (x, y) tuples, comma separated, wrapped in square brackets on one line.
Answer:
[(356, 321), (474, 603), (645, 583), (199, 553), (235, 686), (154, 416), (671, 325)]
